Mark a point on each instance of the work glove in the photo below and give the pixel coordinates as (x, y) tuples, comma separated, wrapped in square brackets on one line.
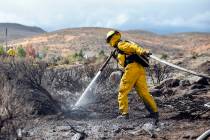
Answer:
[(115, 55), (147, 53)]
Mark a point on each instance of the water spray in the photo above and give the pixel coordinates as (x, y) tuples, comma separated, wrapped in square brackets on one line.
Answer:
[(83, 100)]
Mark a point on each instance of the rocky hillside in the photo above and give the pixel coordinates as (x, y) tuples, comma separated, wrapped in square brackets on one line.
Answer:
[(91, 41), (16, 31)]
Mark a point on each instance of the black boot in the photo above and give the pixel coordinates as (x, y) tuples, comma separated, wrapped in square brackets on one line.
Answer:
[(123, 116), (155, 117)]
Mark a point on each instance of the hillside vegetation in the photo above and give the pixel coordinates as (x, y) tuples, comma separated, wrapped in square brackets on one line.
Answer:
[(92, 40)]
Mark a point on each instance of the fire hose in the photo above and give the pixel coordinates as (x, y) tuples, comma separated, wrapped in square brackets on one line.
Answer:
[(204, 136), (178, 67), (87, 90), (161, 61)]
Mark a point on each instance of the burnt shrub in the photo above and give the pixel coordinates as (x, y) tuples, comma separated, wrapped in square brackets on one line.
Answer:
[(22, 94)]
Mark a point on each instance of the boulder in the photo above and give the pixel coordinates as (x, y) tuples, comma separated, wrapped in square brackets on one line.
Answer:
[(203, 81), (168, 91), (115, 77), (169, 83), (205, 67), (197, 86), (156, 92), (185, 83)]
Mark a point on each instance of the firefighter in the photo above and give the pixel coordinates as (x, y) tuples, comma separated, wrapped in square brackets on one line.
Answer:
[(11, 52), (134, 74)]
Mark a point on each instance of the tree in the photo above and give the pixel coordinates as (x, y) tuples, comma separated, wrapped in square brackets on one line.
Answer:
[(21, 52)]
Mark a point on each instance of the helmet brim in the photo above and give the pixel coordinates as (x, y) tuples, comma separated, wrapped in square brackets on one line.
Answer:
[(108, 39)]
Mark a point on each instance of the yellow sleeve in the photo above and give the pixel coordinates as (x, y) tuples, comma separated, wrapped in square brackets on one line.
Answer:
[(8, 51), (121, 59), (130, 48)]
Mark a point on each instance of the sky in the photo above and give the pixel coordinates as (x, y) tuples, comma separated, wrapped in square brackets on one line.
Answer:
[(160, 16)]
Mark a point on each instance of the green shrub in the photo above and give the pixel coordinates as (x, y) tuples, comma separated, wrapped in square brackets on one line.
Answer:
[(63, 60), (78, 56), (21, 52), (1, 50), (164, 56), (75, 55), (81, 54), (101, 53)]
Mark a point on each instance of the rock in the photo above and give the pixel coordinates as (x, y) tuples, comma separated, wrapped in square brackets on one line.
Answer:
[(63, 128), (197, 86), (136, 132), (168, 91), (158, 86), (115, 77), (19, 133), (169, 83), (186, 137), (205, 67), (116, 128), (207, 105), (185, 83), (202, 81), (77, 136), (156, 92), (149, 128)]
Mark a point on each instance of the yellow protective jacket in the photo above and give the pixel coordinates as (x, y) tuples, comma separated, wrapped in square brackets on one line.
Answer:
[(134, 76), (128, 48), (11, 52)]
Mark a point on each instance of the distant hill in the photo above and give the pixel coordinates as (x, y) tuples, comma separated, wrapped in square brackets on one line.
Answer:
[(92, 40), (146, 33), (17, 31)]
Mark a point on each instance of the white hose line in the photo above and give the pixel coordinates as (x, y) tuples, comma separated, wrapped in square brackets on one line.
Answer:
[(207, 105), (179, 68), (204, 136)]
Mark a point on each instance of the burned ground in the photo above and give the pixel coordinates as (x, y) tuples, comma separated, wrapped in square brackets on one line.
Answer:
[(181, 102), (181, 105)]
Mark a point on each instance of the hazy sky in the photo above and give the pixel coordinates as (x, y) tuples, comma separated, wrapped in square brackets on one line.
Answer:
[(163, 16)]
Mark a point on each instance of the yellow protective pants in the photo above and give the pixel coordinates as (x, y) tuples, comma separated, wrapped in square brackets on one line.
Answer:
[(135, 76)]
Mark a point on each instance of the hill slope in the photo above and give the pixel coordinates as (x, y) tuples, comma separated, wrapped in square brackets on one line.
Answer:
[(16, 31), (92, 40)]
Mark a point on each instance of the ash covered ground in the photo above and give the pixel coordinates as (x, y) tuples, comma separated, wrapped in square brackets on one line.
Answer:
[(181, 102)]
